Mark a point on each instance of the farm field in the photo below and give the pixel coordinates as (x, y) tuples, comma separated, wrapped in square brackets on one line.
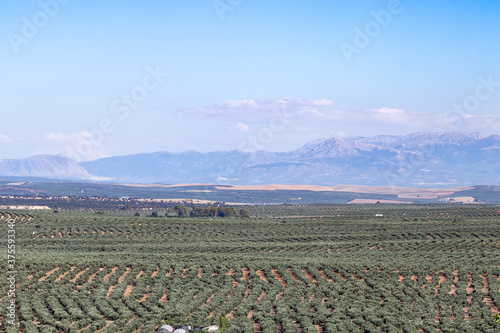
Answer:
[(109, 196), (286, 268)]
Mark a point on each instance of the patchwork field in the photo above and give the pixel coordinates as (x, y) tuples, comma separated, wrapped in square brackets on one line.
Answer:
[(401, 192), (308, 268)]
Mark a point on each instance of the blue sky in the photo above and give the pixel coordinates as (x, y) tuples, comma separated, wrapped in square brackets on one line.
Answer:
[(91, 79)]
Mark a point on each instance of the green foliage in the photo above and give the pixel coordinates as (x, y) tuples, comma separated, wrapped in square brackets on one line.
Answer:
[(204, 211), (181, 210), (226, 212), (223, 321), (337, 267), (244, 213)]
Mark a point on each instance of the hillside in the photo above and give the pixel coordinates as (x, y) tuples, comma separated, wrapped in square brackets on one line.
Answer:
[(433, 160), (45, 166), (417, 160)]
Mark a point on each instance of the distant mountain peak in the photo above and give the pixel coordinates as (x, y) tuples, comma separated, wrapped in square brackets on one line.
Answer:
[(45, 166), (415, 159)]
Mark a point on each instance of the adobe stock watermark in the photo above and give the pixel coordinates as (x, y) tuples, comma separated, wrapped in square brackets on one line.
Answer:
[(453, 118), (11, 272), (364, 36), (31, 26), (470, 104), (410, 164), (223, 6), (121, 108), (266, 135)]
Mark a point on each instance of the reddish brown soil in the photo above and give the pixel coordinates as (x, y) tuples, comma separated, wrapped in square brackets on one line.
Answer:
[(49, 273)]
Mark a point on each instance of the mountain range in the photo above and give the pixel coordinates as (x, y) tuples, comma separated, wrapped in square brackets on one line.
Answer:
[(45, 166), (415, 160)]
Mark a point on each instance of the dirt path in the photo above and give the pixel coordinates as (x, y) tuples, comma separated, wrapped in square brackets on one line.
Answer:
[(124, 275), (442, 278), (128, 291), (438, 315), (108, 322), (339, 275), (145, 296), (209, 299), (165, 295), (289, 270), (155, 273), (485, 289), (110, 291), (49, 273), (309, 275), (139, 275), (469, 288), (319, 328), (92, 277), (466, 313), (262, 275), (279, 277), (323, 275), (261, 296), (246, 273), (357, 278), (487, 298), (60, 277), (233, 311), (108, 276), (77, 276)]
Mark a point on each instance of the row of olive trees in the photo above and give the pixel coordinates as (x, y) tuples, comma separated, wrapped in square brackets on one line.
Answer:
[(211, 211)]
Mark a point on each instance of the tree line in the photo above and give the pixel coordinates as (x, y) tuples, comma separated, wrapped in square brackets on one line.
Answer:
[(209, 211)]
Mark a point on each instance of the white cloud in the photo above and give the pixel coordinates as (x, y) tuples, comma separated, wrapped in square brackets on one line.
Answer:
[(323, 102), (8, 139), (81, 146), (481, 123), (258, 110), (61, 137), (388, 112), (240, 104), (390, 115), (242, 127), (313, 115)]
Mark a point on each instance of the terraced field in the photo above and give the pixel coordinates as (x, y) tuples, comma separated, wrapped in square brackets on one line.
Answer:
[(320, 268)]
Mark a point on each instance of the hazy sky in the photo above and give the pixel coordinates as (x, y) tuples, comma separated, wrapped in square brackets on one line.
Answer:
[(98, 78)]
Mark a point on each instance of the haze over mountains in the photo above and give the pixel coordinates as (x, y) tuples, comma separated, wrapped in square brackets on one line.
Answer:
[(417, 160), (44, 166)]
